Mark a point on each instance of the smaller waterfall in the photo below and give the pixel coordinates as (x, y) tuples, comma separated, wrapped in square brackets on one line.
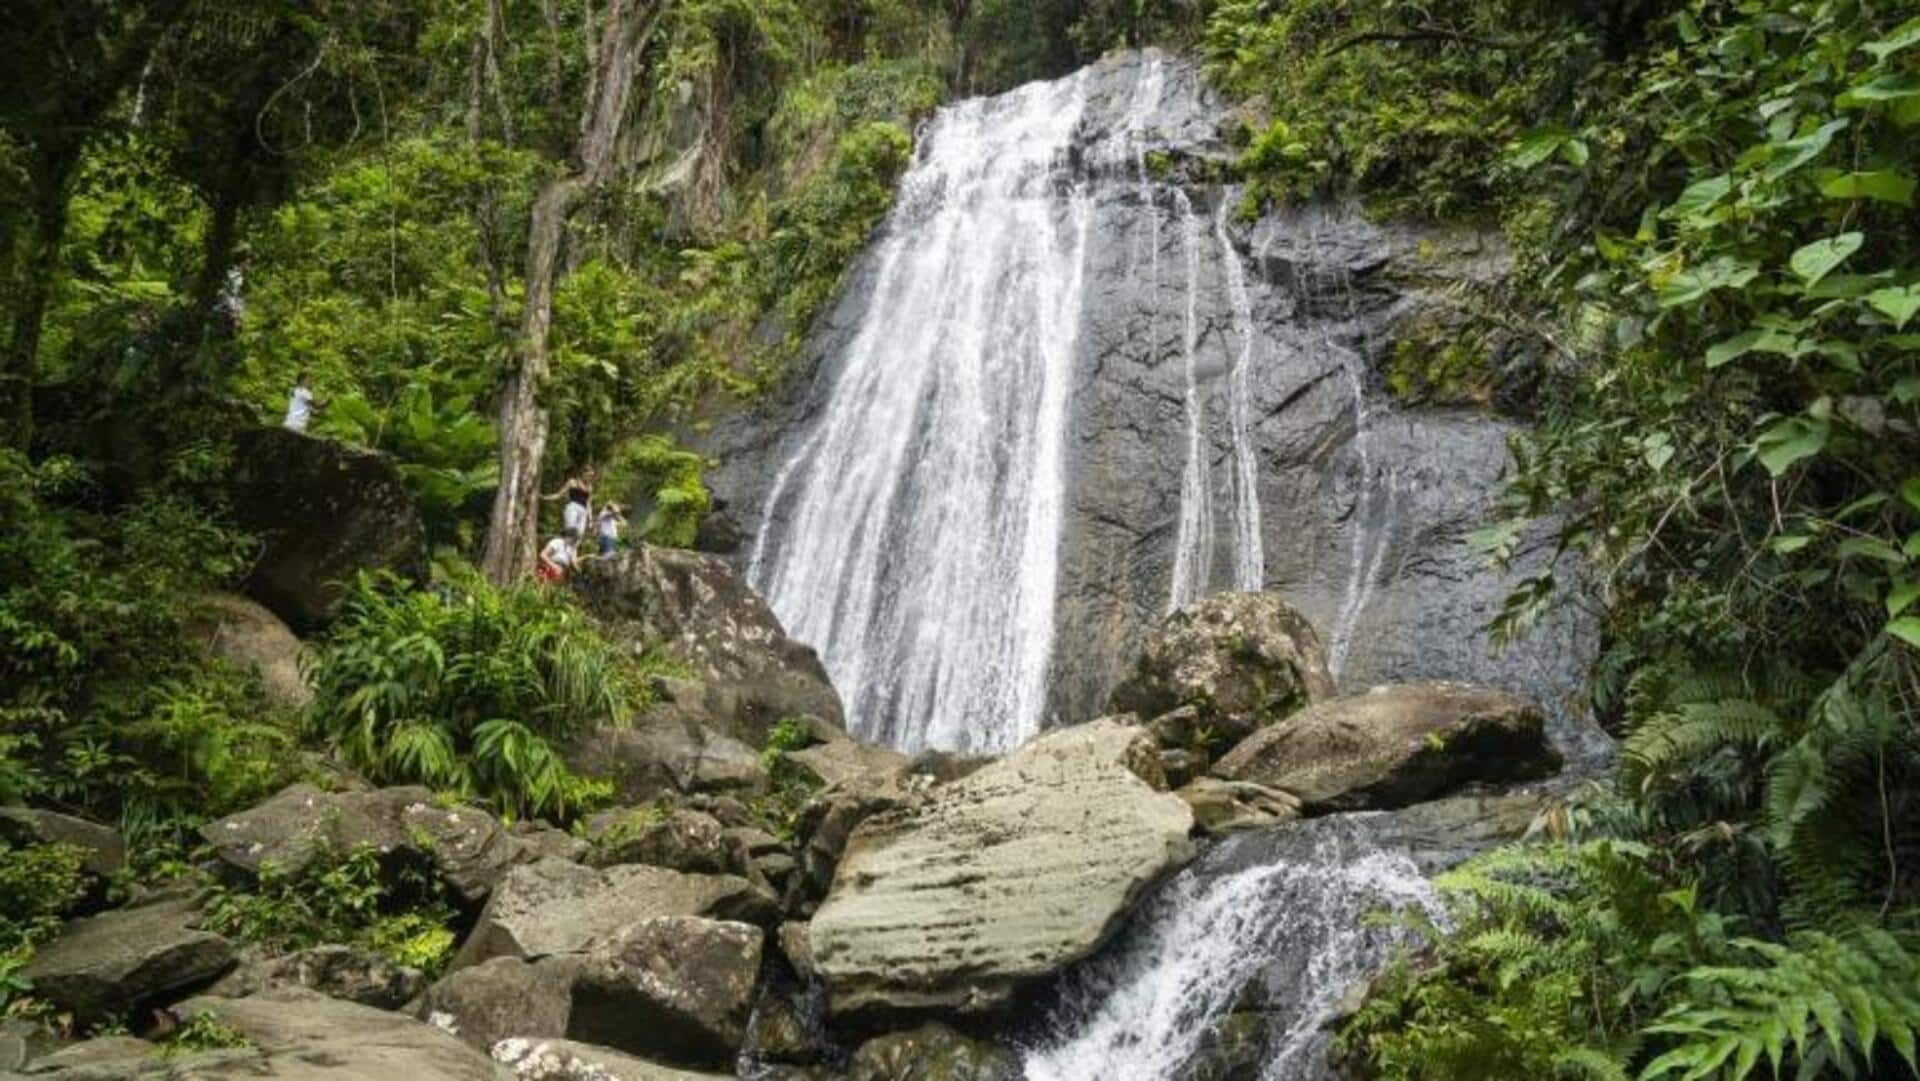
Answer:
[(1281, 915), (1250, 565), (1193, 548)]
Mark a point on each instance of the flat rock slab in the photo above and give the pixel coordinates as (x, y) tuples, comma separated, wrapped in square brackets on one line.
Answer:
[(999, 878), (555, 907), (298, 1036), (1396, 745), (105, 851), (131, 957), (568, 1060)]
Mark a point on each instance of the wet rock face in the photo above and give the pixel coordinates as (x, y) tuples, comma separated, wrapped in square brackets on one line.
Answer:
[(748, 673), (1363, 508), (324, 512), (676, 989), (1000, 878), (1395, 746), (932, 1052)]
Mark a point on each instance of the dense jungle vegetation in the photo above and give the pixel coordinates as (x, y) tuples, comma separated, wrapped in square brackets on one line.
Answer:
[(1711, 203)]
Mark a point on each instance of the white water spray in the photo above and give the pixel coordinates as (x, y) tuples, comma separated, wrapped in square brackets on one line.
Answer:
[(912, 537)]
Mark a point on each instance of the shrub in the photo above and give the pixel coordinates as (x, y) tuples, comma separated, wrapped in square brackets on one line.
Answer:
[(468, 688), (354, 897), (39, 885)]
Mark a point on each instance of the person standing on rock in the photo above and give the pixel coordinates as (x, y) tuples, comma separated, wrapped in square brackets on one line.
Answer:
[(301, 404), (609, 523), (578, 492), (557, 559)]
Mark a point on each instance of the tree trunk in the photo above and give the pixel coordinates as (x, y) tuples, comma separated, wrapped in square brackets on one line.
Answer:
[(511, 536), (37, 273)]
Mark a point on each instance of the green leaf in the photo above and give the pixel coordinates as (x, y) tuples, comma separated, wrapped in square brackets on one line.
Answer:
[(1907, 629), (1700, 197), (1818, 259), (1899, 305), (1905, 36), (1910, 491), (1691, 285), (1533, 150), (1883, 89), (1872, 548), (1885, 185), (1902, 596), (1790, 441), (1795, 153), (1733, 348), (1790, 543)]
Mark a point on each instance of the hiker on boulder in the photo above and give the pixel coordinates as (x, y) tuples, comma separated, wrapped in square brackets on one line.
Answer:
[(558, 558), (302, 405)]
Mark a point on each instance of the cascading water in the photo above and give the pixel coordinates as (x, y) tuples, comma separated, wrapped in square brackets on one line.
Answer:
[(1275, 925), (1193, 547), (924, 510)]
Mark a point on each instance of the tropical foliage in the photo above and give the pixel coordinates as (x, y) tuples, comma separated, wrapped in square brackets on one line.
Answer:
[(470, 689)]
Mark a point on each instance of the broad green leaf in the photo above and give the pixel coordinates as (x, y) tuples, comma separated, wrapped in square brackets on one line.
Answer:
[(1885, 185), (1907, 391), (1700, 196), (1787, 545), (1907, 629), (1733, 348), (1691, 285), (1574, 151), (1910, 491), (1899, 305), (1902, 596), (1872, 548), (1880, 90), (1905, 36), (1818, 259), (1795, 153), (1533, 150), (1790, 441)]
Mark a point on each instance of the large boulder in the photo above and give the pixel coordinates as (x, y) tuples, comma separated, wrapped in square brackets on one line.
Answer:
[(105, 851), (119, 961), (1238, 660), (676, 838), (1000, 878), (299, 1036), (1396, 745), (932, 1052), (245, 633), (337, 971), (503, 998), (677, 988), (555, 907), (324, 512), (466, 846), (662, 753), (1223, 807), (748, 673), (569, 1060)]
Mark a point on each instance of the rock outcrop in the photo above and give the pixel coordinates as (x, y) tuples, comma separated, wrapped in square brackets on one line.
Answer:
[(299, 1036), (747, 673), (503, 998), (1236, 660), (570, 1060), (678, 988), (1223, 807), (1000, 878), (554, 907), (932, 1052), (466, 846), (105, 851), (663, 753), (245, 633), (119, 961), (324, 512), (1396, 745), (344, 972)]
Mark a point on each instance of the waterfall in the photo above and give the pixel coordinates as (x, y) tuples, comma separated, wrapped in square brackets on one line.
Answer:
[(912, 535), (1276, 924), (1193, 547), (1249, 569)]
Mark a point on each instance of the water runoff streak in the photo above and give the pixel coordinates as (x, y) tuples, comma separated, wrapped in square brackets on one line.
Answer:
[(918, 522)]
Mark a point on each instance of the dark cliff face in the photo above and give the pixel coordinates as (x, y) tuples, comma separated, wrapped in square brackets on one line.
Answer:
[(1363, 508)]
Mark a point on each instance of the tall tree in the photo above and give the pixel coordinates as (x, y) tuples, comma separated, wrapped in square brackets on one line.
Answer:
[(67, 65), (618, 60)]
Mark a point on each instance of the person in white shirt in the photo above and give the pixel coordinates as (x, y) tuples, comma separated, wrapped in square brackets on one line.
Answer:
[(302, 405), (577, 514), (558, 557), (610, 522)]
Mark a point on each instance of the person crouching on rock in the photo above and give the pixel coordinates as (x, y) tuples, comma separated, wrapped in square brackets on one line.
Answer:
[(610, 522), (558, 558)]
